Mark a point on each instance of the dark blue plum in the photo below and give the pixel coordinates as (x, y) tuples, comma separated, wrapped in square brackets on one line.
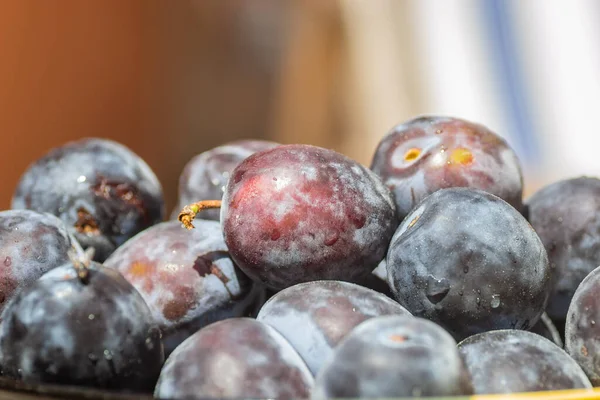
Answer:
[(205, 176), (394, 356), (566, 216), (31, 244), (514, 361), (186, 277), (81, 326), (315, 316), (235, 358), (101, 190), (469, 261)]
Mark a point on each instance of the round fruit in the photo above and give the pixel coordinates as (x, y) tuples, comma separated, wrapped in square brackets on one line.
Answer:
[(566, 216), (299, 213), (84, 326), (469, 261), (425, 154), (394, 356), (315, 316), (513, 361), (234, 358), (186, 278), (103, 192), (206, 175), (31, 244), (582, 329)]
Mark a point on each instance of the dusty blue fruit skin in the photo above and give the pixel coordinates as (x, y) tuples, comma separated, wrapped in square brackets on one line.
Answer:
[(101, 190), (469, 261), (582, 328), (566, 216), (186, 277), (235, 358), (513, 361), (315, 316), (205, 176), (95, 333), (31, 244), (394, 356)]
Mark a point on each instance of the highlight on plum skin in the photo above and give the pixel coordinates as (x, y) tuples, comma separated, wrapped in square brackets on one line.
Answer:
[(428, 153), (299, 213), (187, 278)]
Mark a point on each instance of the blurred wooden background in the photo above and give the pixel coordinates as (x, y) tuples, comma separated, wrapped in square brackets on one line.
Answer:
[(172, 79)]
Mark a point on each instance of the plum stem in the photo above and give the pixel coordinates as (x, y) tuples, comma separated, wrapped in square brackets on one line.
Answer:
[(81, 263), (189, 212)]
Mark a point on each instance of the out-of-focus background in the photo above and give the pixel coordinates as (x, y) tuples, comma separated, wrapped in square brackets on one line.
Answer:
[(173, 79)]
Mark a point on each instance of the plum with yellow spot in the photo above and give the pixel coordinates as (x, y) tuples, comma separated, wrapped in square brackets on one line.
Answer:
[(187, 278), (299, 213), (428, 153)]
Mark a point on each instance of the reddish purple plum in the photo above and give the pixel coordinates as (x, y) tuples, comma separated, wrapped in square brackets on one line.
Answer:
[(299, 213), (428, 153), (235, 358), (187, 278), (205, 176), (315, 316)]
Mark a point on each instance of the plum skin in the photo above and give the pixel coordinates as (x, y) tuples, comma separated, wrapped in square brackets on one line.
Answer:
[(101, 190), (469, 261), (235, 358), (31, 244), (428, 153), (95, 333), (513, 361), (582, 331), (187, 278), (394, 356), (299, 213), (565, 215), (205, 176), (315, 316)]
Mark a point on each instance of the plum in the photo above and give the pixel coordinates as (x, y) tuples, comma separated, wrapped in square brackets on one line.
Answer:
[(234, 358), (299, 213), (512, 361), (187, 278), (394, 356), (31, 244), (566, 216), (101, 190), (469, 261), (315, 316), (428, 153), (82, 325), (205, 176), (582, 331)]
